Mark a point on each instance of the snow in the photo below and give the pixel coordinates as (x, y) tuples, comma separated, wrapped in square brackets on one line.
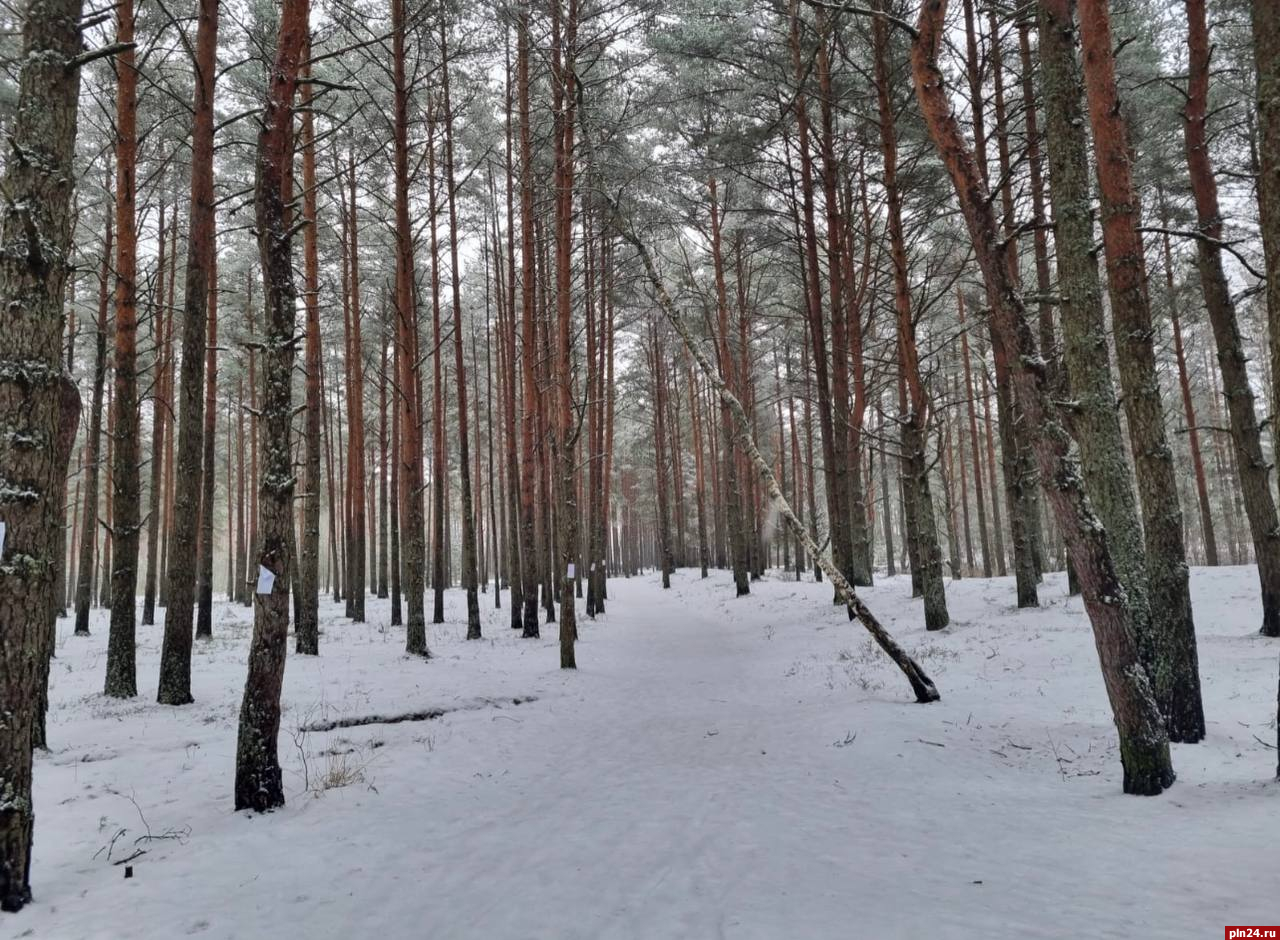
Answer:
[(716, 767)]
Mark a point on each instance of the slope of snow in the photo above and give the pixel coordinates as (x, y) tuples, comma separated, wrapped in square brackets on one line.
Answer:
[(716, 767)]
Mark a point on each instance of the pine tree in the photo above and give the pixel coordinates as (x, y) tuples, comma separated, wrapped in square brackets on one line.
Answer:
[(36, 396), (175, 654), (1144, 744), (258, 782)]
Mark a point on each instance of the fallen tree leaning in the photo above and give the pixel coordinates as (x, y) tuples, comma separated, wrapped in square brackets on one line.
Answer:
[(921, 684)]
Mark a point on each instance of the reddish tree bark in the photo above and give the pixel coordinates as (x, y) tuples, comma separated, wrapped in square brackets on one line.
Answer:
[(180, 575), (258, 783), (1144, 746), (307, 628), (837, 509), (1189, 411), (121, 679), (735, 524), (1167, 643), (916, 420), (1255, 483)]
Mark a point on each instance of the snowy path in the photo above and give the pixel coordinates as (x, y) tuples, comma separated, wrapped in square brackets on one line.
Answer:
[(715, 768)]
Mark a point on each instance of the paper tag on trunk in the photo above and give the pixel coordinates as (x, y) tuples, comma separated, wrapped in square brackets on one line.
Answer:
[(266, 580), (3, 527), (571, 571)]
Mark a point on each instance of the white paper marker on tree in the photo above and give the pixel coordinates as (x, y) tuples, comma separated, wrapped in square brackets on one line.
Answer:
[(3, 527), (266, 580), (570, 572)]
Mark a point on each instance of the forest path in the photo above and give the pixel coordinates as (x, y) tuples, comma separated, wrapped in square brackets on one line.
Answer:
[(746, 768)]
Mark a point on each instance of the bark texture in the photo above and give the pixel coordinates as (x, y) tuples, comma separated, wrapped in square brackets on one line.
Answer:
[(1255, 472), (1167, 645), (93, 445), (122, 667), (1144, 744), (530, 574), (1266, 62), (307, 629), (180, 574), (38, 401), (258, 784), (1086, 351), (409, 470), (915, 421)]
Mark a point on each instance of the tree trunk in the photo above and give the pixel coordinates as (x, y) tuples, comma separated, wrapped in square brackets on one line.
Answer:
[(306, 630), (439, 460), (169, 448), (158, 408), (1188, 407), (122, 669), (204, 587), (383, 545), (360, 574), (241, 548), (36, 397), (1144, 745), (565, 97), (1266, 61), (699, 476), (410, 448), (1013, 459), (530, 575), (337, 574), (1028, 549), (1167, 646), (837, 509), (909, 505), (887, 508), (946, 470), (1255, 483), (258, 783), (862, 557), (93, 445), (1095, 418), (104, 574), (842, 533), (1035, 166), (470, 582), (393, 493), (175, 654), (915, 422), (733, 503), (974, 441)]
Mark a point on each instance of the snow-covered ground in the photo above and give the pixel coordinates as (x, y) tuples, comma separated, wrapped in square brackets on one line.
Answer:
[(716, 767)]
